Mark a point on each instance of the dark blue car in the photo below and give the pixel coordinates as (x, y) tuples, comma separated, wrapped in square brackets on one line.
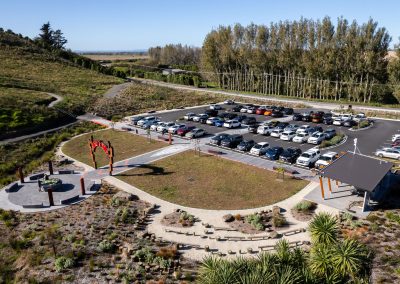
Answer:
[(273, 153)]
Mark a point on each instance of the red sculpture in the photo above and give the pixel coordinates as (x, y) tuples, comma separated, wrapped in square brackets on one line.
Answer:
[(108, 149)]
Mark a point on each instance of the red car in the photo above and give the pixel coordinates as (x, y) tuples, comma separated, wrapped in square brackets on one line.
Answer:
[(184, 130), (260, 110), (396, 143)]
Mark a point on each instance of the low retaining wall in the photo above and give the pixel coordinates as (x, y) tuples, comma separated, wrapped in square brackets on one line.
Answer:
[(33, 206), (69, 200), (36, 177), (66, 172)]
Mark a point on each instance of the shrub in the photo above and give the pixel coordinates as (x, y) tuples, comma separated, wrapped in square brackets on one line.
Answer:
[(393, 217), (304, 206), (255, 220), (363, 124), (145, 254), (63, 262), (372, 218), (238, 217), (333, 141), (167, 252), (278, 220), (106, 246)]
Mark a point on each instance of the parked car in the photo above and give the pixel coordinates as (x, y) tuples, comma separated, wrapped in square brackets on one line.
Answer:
[(328, 120), (346, 116), (261, 110), (154, 126), (287, 135), (230, 116), (292, 127), (237, 108), (252, 109), (282, 125), (349, 123), (246, 145), (359, 117), (212, 120), (146, 120), (316, 138), (273, 123), (200, 117), (277, 113), (174, 128), (184, 130), (224, 115), (326, 159), (216, 140), (268, 111), (388, 153), (239, 117), (252, 128), (147, 124), (259, 148), (135, 119), (301, 137), (195, 133), (308, 158), (317, 117), (314, 129), (211, 112), (330, 133), (232, 141), (395, 137), (189, 116), (396, 143), (338, 121), (164, 127), (229, 102), (215, 107), (249, 121), (288, 110), (303, 128), (290, 155), (265, 129), (276, 132), (297, 117), (231, 124), (244, 109), (307, 116), (273, 153), (219, 123)]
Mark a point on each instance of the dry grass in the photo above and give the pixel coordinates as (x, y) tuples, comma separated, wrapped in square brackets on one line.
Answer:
[(125, 145), (113, 57), (211, 182)]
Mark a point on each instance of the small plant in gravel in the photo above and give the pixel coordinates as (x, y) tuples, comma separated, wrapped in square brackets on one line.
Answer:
[(186, 218), (393, 217), (256, 221), (278, 220), (304, 206), (167, 252), (144, 254), (106, 246), (63, 263), (125, 215), (164, 264), (238, 217)]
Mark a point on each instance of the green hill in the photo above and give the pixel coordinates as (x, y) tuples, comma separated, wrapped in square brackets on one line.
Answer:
[(28, 72)]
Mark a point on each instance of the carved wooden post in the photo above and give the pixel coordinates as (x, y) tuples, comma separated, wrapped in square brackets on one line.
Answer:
[(83, 186), (169, 138), (21, 174), (111, 156), (322, 187), (50, 167), (329, 185), (50, 193), (92, 152)]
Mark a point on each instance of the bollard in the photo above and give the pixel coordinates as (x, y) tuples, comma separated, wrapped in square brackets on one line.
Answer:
[(170, 139), (51, 167), (50, 193), (83, 186), (21, 174)]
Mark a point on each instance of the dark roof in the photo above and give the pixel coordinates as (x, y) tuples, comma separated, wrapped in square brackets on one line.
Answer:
[(357, 170)]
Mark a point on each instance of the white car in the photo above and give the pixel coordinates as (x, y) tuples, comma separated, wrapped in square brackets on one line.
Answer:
[(259, 149), (215, 107), (276, 132), (264, 130), (301, 137), (316, 138), (338, 121), (346, 116), (395, 137), (195, 133), (244, 109), (288, 135), (174, 128), (326, 159), (165, 126), (154, 126), (359, 117), (251, 110), (308, 158), (291, 127), (388, 153), (199, 117), (189, 116), (229, 102), (146, 120), (303, 129), (232, 124), (212, 120)]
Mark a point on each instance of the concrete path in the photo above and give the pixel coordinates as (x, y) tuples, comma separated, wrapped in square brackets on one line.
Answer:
[(116, 90)]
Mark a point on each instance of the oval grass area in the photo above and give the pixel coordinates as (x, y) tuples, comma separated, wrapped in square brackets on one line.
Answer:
[(211, 182), (125, 145)]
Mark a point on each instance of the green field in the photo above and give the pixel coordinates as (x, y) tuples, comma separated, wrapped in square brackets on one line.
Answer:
[(211, 182)]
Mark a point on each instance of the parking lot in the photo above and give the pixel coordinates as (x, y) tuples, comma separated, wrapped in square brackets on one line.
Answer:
[(369, 140)]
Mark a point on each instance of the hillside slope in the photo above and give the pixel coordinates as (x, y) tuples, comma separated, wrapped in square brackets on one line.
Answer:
[(28, 72)]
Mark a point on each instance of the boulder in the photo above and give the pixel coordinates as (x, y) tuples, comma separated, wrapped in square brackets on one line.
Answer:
[(274, 235), (125, 196), (228, 218)]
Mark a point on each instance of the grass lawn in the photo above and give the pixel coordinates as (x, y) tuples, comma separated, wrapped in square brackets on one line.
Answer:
[(125, 145), (210, 182)]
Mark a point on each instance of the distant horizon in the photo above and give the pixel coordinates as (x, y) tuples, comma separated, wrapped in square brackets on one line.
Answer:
[(130, 26)]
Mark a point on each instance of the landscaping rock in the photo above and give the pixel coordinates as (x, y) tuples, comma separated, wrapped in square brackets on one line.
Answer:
[(274, 235), (228, 218)]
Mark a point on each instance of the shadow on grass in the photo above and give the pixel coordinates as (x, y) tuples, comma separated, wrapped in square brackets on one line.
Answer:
[(154, 171)]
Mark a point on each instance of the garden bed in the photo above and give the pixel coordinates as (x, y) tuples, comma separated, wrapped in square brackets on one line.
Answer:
[(178, 219)]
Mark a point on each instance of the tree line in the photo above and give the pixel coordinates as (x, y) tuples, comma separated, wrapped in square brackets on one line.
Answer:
[(175, 54), (305, 58)]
